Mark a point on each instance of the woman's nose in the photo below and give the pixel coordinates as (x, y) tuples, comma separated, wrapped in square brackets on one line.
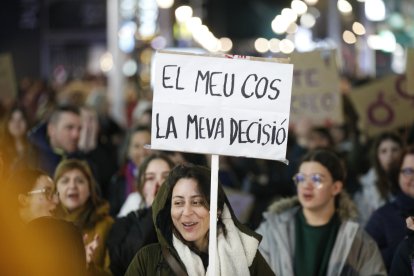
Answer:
[(72, 184), (188, 210)]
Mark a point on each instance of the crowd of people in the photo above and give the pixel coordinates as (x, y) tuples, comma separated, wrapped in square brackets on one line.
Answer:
[(82, 195)]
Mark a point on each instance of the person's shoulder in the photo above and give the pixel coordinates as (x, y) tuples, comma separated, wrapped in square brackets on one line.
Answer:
[(151, 251), (282, 210), (51, 223)]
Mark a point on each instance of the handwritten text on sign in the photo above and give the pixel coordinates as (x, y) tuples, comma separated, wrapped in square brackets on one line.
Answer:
[(216, 105)]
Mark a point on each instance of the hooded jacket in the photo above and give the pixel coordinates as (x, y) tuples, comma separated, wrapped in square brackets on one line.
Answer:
[(354, 252), (150, 260)]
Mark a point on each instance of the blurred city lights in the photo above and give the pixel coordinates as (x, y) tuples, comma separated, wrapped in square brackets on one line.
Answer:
[(130, 68), (274, 45), (307, 20), (389, 42), (299, 7), (183, 13), (193, 24), (375, 10), (286, 46), (292, 28), (127, 8), (126, 36), (303, 40), (314, 11), (398, 64), (289, 15), (344, 6), (159, 42), (226, 44), (106, 62), (279, 24), (374, 42), (349, 37), (165, 4), (358, 28), (261, 45), (396, 21), (311, 2)]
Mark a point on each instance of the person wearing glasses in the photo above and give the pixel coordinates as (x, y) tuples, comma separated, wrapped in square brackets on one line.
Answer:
[(40, 244), (80, 204), (387, 225), (315, 233)]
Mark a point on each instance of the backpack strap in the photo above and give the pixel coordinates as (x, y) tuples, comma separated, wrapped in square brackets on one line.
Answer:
[(172, 262)]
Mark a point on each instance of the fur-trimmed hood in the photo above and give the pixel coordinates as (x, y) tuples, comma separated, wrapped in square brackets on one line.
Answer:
[(346, 207)]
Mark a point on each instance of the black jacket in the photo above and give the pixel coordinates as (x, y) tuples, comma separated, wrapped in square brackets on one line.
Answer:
[(403, 258), (127, 236)]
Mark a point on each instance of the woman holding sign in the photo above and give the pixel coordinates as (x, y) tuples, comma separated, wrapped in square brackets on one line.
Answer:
[(182, 220), (315, 232)]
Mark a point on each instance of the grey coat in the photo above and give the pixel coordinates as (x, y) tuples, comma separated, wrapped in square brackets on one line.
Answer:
[(354, 252)]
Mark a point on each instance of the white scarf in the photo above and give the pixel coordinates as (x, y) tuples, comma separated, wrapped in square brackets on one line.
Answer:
[(235, 252)]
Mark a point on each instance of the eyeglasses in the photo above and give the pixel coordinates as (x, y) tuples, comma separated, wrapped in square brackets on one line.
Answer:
[(316, 179), (49, 193), (409, 172)]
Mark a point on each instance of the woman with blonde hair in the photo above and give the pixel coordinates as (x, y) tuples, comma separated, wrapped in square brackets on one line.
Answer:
[(80, 204)]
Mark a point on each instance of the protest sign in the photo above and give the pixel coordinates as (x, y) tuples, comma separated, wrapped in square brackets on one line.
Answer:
[(7, 78), (384, 104), (217, 105), (315, 91)]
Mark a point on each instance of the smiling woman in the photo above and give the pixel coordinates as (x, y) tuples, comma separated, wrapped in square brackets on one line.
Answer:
[(182, 221)]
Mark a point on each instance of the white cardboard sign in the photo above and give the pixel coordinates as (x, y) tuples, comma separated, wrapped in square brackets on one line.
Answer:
[(217, 105)]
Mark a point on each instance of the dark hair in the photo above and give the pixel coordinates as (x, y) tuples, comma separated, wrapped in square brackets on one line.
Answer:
[(6, 139), (324, 133), (144, 165), (55, 116), (203, 178), (125, 147), (384, 178), (409, 150), (21, 182), (330, 160), (5, 126), (24, 180)]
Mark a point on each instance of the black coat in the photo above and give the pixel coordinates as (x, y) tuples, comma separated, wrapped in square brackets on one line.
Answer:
[(403, 258), (127, 236)]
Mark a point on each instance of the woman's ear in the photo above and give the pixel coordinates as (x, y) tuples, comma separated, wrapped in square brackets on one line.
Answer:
[(23, 200), (337, 187)]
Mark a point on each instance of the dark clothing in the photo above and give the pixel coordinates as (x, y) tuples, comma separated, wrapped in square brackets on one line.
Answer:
[(402, 263), (150, 261), (121, 184), (314, 245), (387, 225), (103, 163), (58, 247), (127, 236)]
